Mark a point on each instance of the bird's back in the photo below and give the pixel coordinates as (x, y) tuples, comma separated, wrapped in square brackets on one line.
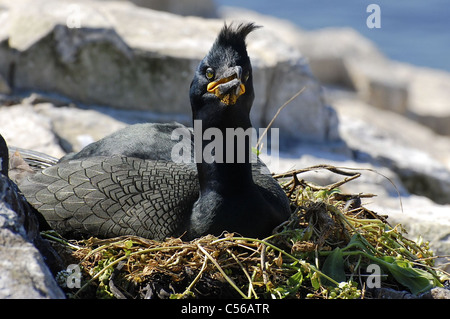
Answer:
[(113, 196)]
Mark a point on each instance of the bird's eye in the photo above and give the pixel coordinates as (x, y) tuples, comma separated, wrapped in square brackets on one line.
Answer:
[(209, 73)]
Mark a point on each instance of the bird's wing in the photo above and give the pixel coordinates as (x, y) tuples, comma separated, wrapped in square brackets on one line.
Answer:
[(113, 196), (35, 159)]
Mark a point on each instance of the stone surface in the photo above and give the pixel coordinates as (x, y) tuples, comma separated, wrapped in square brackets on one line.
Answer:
[(21, 126), (76, 129), (343, 57), (201, 8), (394, 141), (127, 57), (24, 274), (4, 86), (23, 271), (429, 97)]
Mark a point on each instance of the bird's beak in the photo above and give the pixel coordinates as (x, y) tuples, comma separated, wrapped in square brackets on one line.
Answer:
[(229, 87)]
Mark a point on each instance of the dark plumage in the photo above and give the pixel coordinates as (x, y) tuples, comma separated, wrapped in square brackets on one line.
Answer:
[(127, 184), (151, 141)]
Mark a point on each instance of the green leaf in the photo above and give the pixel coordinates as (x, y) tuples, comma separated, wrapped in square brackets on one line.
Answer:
[(415, 279), (315, 282), (129, 244), (296, 279), (256, 151), (293, 285), (358, 241), (334, 267)]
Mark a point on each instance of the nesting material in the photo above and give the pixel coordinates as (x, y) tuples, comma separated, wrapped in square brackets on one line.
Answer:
[(331, 247)]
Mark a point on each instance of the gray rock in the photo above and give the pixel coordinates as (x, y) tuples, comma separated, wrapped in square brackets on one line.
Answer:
[(201, 8), (388, 293), (387, 94), (77, 128), (429, 93), (23, 271), (134, 58), (403, 147), (333, 51), (4, 86), (21, 126), (341, 56)]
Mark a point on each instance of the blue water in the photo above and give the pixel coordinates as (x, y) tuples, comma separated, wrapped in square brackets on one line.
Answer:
[(412, 31)]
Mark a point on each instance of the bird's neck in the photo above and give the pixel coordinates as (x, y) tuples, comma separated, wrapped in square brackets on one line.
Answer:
[(223, 157)]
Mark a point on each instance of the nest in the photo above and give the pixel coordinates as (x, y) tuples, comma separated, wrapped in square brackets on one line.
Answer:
[(331, 247)]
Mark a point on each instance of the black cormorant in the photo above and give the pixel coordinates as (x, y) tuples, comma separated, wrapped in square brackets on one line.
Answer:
[(127, 184)]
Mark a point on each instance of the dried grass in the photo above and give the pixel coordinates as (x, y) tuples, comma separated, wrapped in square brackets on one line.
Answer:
[(322, 251)]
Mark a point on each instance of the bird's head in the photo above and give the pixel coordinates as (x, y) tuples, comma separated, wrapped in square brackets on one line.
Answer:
[(222, 89)]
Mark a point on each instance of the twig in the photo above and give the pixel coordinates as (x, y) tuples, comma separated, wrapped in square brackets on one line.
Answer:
[(263, 264), (250, 281), (274, 247), (60, 240), (115, 262), (340, 171), (188, 289), (276, 115), (230, 281)]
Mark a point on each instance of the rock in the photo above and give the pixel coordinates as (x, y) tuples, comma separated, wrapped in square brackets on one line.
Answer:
[(21, 126), (331, 51), (341, 57), (423, 220), (134, 58), (429, 93), (387, 94), (403, 147), (388, 293), (201, 8), (4, 86), (24, 274), (23, 271), (76, 129), (70, 127)]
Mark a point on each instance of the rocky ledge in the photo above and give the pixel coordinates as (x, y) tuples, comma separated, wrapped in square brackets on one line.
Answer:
[(72, 72)]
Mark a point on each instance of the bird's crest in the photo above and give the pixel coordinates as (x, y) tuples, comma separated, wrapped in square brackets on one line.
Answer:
[(233, 36)]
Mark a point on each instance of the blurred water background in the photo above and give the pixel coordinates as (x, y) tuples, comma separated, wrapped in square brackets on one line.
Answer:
[(412, 31)]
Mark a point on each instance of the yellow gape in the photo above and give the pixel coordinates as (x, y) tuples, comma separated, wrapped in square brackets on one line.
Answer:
[(228, 98)]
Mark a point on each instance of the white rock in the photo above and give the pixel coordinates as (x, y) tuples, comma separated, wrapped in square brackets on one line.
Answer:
[(429, 96), (136, 58), (22, 127), (202, 8), (77, 128)]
